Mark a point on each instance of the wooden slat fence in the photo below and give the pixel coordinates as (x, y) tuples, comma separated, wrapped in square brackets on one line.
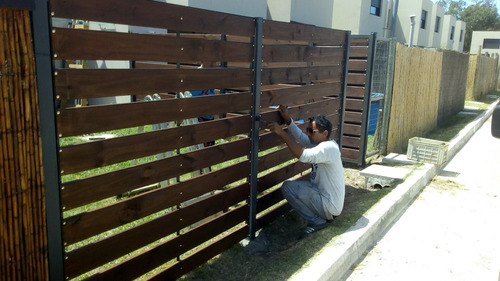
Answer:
[(357, 103), (120, 219)]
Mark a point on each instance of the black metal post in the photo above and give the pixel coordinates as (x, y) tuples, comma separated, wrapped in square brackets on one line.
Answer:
[(255, 112), (47, 108)]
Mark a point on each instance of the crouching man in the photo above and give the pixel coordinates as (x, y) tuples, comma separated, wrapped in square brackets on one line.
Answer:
[(321, 198)]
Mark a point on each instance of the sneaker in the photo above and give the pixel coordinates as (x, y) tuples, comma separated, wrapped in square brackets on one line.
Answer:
[(311, 228)]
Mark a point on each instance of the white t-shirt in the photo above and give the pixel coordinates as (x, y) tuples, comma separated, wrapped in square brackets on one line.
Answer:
[(327, 170)]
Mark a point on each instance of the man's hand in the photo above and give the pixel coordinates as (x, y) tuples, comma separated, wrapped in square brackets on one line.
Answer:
[(294, 146), (275, 128), (283, 110)]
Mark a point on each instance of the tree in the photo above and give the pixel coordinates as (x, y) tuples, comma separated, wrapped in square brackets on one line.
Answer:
[(451, 7), (482, 16)]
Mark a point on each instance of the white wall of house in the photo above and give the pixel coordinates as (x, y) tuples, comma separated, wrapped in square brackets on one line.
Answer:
[(279, 10), (485, 42), (449, 32), (458, 45), (317, 12), (355, 16)]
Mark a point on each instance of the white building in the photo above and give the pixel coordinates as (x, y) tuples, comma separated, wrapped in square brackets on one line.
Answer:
[(485, 42)]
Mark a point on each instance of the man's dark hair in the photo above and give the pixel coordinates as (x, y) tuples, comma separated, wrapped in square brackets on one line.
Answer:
[(322, 123)]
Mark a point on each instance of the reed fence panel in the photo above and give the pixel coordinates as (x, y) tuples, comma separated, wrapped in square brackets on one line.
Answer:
[(141, 192), (414, 107), (482, 77), (23, 238)]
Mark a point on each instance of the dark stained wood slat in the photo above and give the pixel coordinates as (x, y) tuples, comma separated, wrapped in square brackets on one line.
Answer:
[(354, 104), (90, 119), (358, 52), (150, 259), (192, 261), (359, 41), (85, 258), (355, 92), (148, 13), (99, 45), (353, 117), (95, 83), (303, 32), (351, 142), (80, 192), (87, 224), (353, 130), (292, 53), (300, 74), (274, 158), (350, 155), (268, 218), (299, 95), (101, 153), (358, 79), (357, 65)]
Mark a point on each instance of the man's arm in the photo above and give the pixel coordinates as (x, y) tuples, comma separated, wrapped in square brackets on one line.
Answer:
[(293, 145)]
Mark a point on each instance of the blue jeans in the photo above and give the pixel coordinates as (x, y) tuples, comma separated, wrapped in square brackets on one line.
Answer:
[(305, 198)]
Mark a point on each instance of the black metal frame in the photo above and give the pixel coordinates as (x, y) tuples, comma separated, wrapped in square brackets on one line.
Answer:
[(255, 112), (47, 107)]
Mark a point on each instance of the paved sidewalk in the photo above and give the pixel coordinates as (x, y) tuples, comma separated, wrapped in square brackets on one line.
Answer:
[(450, 232), (336, 260)]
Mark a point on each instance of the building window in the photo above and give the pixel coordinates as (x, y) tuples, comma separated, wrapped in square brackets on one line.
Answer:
[(461, 35), (452, 33), (375, 7), (491, 44), (438, 22), (423, 19)]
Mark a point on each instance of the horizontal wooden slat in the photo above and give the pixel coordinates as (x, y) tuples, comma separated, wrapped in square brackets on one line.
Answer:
[(293, 53), (358, 79), (157, 256), (101, 153), (357, 65), (355, 92), (303, 32), (84, 191), (350, 155), (354, 104), (300, 74), (84, 120), (154, 14), (87, 224), (189, 263), (270, 217), (351, 142), (98, 45), (358, 52), (300, 94), (353, 117), (353, 130), (275, 158), (359, 41), (84, 259), (95, 83)]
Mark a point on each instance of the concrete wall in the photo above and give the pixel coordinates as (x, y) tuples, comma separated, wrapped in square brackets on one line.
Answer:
[(279, 10), (458, 45)]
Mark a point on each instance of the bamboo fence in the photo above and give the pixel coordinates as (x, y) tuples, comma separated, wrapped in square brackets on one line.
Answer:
[(23, 241), (482, 76), (415, 98)]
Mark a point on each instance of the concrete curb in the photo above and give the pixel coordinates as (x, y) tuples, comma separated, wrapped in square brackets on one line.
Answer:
[(334, 261)]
